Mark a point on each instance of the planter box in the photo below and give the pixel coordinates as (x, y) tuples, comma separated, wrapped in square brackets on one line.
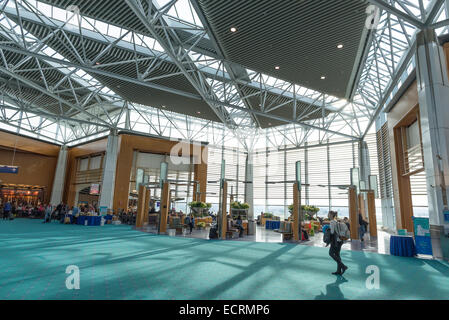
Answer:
[(243, 213), (199, 211)]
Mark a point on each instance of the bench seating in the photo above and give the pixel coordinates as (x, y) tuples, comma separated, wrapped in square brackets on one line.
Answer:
[(286, 230)]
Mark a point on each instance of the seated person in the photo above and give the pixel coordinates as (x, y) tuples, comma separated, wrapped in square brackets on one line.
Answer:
[(239, 225)]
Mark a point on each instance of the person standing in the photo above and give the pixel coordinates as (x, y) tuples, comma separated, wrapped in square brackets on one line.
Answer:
[(336, 243), (47, 217), (191, 223), (6, 210), (75, 214), (363, 226), (62, 213)]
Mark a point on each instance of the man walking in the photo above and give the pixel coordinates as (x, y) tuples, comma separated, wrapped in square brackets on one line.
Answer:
[(336, 243)]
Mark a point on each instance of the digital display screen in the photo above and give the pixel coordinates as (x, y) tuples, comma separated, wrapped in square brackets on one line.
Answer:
[(298, 174), (355, 178), (94, 189)]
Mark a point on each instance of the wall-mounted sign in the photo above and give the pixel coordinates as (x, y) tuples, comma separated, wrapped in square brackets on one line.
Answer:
[(298, 174), (373, 185), (355, 178), (9, 169), (222, 173), (422, 236), (139, 177), (163, 174), (94, 189)]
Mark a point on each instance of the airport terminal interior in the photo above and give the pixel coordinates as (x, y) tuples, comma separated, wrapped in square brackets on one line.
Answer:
[(222, 150)]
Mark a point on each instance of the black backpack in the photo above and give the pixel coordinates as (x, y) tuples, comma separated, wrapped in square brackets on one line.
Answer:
[(213, 234), (327, 237)]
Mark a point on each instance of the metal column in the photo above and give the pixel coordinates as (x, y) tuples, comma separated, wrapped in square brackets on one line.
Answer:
[(433, 91)]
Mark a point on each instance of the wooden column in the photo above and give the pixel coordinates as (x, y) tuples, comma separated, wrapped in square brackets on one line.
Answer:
[(362, 207), (296, 207), (404, 188), (141, 207), (146, 206), (165, 206), (353, 218), (372, 214), (224, 216)]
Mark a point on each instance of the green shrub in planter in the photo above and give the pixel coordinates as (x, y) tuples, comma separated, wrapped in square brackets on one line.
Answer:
[(239, 205), (268, 215), (201, 225)]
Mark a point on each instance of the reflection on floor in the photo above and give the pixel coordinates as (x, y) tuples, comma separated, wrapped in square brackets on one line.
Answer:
[(117, 262), (379, 245)]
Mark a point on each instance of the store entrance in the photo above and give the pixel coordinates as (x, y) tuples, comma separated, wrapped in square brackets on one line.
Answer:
[(28, 194), (86, 199)]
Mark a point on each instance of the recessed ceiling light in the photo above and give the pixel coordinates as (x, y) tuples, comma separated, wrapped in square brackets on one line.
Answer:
[(277, 67), (233, 29), (340, 46), (323, 77), (198, 112), (164, 107), (269, 123)]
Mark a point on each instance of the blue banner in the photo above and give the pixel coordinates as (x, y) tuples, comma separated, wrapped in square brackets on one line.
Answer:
[(9, 169), (422, 236)]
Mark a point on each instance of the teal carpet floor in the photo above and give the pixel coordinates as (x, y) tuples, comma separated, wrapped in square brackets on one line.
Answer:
[(117, 262)]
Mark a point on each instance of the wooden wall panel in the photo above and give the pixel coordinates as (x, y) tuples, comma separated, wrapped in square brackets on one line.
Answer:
[(130, 143), (400, 115), (87, 149), (9, 140), (401, 185), (34, 169), (45, 155)]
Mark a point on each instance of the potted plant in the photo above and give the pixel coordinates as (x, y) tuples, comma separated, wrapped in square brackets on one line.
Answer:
[(199, 208), (201, 225)]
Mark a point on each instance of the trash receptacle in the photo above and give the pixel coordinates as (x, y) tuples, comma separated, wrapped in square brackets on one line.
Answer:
[(251, 227)]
